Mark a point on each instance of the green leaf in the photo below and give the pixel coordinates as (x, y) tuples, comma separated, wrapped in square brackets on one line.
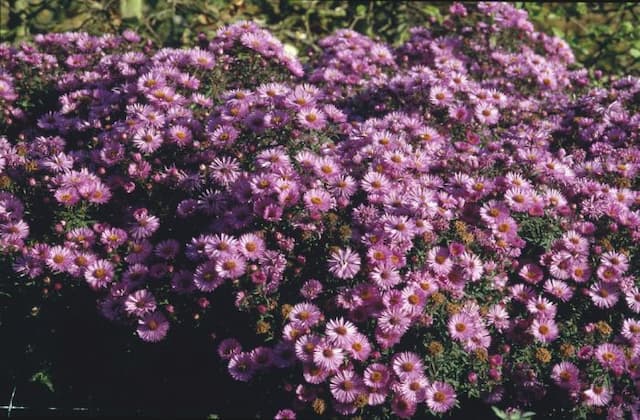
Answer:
[(43, 378), (634, 52)]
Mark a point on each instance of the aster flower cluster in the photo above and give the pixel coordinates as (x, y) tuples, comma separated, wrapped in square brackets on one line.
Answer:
[(409, 228)]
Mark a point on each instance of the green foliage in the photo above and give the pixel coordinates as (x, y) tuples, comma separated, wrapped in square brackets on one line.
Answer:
[(602, 35), (512, 414), (43, 377)]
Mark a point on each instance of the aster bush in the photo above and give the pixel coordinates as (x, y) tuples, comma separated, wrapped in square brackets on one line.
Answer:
[(408, 230)]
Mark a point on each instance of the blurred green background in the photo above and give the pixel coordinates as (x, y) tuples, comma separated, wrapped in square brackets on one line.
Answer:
[(602, 35)]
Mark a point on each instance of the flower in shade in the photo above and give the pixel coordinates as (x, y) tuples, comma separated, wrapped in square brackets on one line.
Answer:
[(440, 397), (604, 295), (228, 348), (402, 406), (345, 386), (241, 367), (206, 277), (153, 327), (140, 303), (285, 414), (566, 375), (145, 224), (99, 274), (531, 273), (344, 263), (314, 374), (311, 289)]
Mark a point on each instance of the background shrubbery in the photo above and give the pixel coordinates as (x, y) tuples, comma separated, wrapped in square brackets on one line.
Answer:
[(601, 34)]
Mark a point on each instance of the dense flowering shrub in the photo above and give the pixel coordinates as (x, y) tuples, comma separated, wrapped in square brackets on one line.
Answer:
[(411, 228)]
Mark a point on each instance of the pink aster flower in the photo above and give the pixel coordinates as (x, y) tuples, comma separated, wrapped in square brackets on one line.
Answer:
[(544, 330), (518, 199), (560, 267), (230, 266), (314, 374), (220, 245), (67, 196), (251, 246), (604, 295), (385, 276), (147, 140), (228, 348), (328, 357), (609, 355), (359, 347), (153, 327), (305, 315), (394, 321), (566, 375), (139, 303), (559, 289), (345, 386), (631, 330), (305, 346), (440, 397), (461, 326), (340, 332), (438, 260), (632, 297), (319, 200), (486, 113), (597, 395), (344, 263), (59, 259), (145, 224), (99, 274), (376, 376), (541, 307), (113, 237), (402, 406), (206, 277), (241, 367), (531, 273), (617, 260), (311, 118), (407, 365), (414, 389)]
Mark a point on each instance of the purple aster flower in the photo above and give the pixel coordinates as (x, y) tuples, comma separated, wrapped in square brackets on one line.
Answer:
[(344, 263), (153, 327), (440, 397), (140, 303)]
